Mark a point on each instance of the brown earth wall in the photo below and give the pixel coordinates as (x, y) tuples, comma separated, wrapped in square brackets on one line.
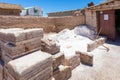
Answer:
[(47, 23)]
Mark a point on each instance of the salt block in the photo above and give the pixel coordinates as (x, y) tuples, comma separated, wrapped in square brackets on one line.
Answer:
[(94, 44), (7, 75), (4, 32), (1, 70), (58, 59), (5, 58), (11, 49), (33, 33), (32, 44), (13, 36), (85, 58), (73, 61), (43, 75), (14, 51), (62, 73), (25, 67), (50, 46)]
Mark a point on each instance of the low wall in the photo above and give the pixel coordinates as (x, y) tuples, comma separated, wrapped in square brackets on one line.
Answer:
[(47, 23), (27, 22), (68, 22)]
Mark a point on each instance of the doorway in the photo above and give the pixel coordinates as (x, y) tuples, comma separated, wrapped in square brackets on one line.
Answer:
[(117, 23)]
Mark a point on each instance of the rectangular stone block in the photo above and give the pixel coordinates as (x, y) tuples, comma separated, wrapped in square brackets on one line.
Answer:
[(58, 60), (94, 44), (30, 65), (14, 51), (85, 58), (43, 75), (49, 45), (62, 73), (14, 36), (33, 33), (72, 61)]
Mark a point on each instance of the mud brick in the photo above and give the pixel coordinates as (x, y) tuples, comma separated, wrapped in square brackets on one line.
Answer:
[(62, 73), (58, 60), (30, 65)]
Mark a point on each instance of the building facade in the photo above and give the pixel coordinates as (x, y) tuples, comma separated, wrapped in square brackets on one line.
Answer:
[(10, 9), (105, 17), (32, 11)]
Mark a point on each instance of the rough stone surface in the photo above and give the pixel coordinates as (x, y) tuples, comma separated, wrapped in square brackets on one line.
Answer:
[(94, 44), (14, 51), (62, 73), (72, 61), (86, 58), (1, 70), (49, 44), (47, 23), (57, 60), (14, 36), (5, 58), (30, 66)]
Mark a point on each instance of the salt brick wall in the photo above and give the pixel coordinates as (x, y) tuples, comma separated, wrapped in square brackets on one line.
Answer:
[(47, 23), (91, 18)]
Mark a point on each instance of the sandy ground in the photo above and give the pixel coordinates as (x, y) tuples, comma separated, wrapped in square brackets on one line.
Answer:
[(106, 65)]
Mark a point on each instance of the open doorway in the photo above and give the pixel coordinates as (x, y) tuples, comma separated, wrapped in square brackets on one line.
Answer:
[(117, 23)]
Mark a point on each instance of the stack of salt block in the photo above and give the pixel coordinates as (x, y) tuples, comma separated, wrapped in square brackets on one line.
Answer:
[(34, 66), (60, 72), (72, 61), (71, 58), (49, 45), (17, 42)]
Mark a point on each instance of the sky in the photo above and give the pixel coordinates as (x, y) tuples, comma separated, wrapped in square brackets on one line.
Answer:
[(53, 5)]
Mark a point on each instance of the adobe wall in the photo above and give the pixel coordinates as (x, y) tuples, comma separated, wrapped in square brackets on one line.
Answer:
[(26, 22), (68, 22), (47, 23)]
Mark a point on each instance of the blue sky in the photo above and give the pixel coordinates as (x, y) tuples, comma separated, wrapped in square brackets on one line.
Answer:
[(53, 5)]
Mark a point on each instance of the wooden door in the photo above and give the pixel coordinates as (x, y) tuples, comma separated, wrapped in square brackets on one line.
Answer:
[(107, 23)]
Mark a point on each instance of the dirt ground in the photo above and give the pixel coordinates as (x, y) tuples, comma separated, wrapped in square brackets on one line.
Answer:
[(106, 65)]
